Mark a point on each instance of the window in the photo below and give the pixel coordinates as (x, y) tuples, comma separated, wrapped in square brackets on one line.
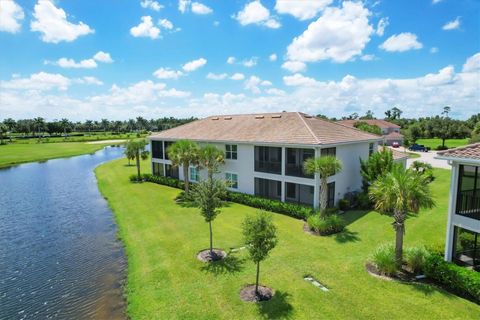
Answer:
[(171, 171), (268, 159), (331, 194), (329, 152), (370, 149), (291, 190), (468, 193), (157, 149), (158, 169), (294, 161), (193, 174), (266, 188), (167, 144), (231, 151), (232, 180)]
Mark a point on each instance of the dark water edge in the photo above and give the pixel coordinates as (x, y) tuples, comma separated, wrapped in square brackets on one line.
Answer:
[(59, 253)]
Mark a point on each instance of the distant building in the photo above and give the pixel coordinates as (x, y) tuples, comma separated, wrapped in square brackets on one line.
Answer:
[(390, 131), (265, 154), (462, 243)]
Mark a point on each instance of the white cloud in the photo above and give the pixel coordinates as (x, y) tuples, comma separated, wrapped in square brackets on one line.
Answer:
[(255, 13), (183, 5), (194, 65), (381, 25), (273, 57), (302, 10), (216, 23), (215, 76), (145, 29), (70, 63), (166, 24), (154, 5), (298, 80), (90, 80), (174, 93), (367, 57), (275, 91), (237, 76), (200, 8), (53, 24), (452, 25), (339, 35), (103, 57), (11, 16), (472, 64), (266, 83), (41, 81), (166, 73), (231, 60), (444, 76), (294, 66), (433, 50), (401, 42), (252, 84), (250, 62)]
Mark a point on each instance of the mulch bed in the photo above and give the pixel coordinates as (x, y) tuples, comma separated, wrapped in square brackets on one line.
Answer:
[(405, 274), (205, 256), (248, 293)]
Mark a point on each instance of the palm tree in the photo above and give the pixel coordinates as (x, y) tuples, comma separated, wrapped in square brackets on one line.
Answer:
[(3, 131), (105, 124), (137, 148), (398, 193), (184, 153), (89, 125), (39, 123), (325, 167), (211, 158), (64, 123)]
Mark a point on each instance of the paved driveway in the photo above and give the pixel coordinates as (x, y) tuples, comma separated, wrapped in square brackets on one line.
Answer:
[(429, 157)]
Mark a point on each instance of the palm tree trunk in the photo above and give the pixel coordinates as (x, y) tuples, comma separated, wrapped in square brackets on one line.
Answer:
[(185, 178), (323, 196), (137, 158), (211, 239), (258, 276), (399, 226)]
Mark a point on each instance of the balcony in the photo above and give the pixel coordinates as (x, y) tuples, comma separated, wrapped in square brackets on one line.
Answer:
[(468, 204), (296, 170), (269, 166)]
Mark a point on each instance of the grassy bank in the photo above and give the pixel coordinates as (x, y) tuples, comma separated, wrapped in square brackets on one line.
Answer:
[(166, 281), (434, 143), (13, 154)]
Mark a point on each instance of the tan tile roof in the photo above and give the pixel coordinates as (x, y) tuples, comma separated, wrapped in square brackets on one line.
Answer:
[(281, 128), (377, 122), (471, 151), (397, 155), (393, 135)]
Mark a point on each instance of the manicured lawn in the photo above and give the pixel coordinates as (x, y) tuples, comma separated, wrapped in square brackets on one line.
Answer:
[(165, 281), (12, 154), (434, 143)]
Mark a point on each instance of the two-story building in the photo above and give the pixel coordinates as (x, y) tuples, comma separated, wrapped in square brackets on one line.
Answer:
[(390, 131), (463, 229), (264, 153)]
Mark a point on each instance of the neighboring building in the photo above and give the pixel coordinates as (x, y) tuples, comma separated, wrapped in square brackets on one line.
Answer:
[(398, 156), (265, 153), (390, 131), (463, 228)]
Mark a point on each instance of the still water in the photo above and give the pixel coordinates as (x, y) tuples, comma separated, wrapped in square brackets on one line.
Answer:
[(59, 255)]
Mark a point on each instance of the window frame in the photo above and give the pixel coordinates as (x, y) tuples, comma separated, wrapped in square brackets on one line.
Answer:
[(230, 153), (232, 183), (196, 175)]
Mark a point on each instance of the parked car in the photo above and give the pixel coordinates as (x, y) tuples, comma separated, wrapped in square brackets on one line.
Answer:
[(395, 144), (418, 147)]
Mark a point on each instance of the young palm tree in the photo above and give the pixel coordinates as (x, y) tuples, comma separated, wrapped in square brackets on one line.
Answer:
[(184, 153), (137, 150), (3, 131), (211, 158), (398, 193), (325, 167)]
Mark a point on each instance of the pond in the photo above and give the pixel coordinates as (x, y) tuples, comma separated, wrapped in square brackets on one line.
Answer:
[(59, 254)]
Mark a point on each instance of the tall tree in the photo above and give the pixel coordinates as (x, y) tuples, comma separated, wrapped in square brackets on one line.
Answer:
[(184, 153), (325, 167), (211, 158), (446, 111), (3, 132), (376, 165), (137, 147), (39, 124), (105, 124), (89, 125), (368, 115), (208, 196), (260, 237), (65, 124), (398, 193)]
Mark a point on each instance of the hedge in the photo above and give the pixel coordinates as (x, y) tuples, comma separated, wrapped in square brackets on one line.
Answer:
[(289, 209), (458, 279)]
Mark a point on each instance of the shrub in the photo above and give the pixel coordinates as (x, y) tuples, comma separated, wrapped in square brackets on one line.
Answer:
[(364, 201), (439, 148), (458, 279), (415, 258), (344, 204), (384, 259), (325, 226)]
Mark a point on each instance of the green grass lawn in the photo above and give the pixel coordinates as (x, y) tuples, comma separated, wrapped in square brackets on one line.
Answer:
[(165, 280), (434, 143), (12, 154), (85, 138)]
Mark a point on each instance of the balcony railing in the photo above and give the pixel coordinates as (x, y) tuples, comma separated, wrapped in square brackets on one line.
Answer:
[(268, 167), (296, 171), (468, 204)]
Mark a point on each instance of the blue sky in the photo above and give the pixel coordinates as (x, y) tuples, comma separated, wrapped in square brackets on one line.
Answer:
[(128, 58)]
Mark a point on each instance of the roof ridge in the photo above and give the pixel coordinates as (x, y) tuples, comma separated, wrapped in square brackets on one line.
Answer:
[(308, 127)]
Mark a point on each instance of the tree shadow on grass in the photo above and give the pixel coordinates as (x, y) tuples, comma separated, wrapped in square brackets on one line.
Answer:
[(352, 216), (276, 308), (230, 264), (347, 236)]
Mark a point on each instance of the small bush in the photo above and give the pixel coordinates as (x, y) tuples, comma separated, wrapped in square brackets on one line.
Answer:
[(364, 201), (439, 148), (415, 258), (458, 279), (384, 259), (325, 226), (344, 204)]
